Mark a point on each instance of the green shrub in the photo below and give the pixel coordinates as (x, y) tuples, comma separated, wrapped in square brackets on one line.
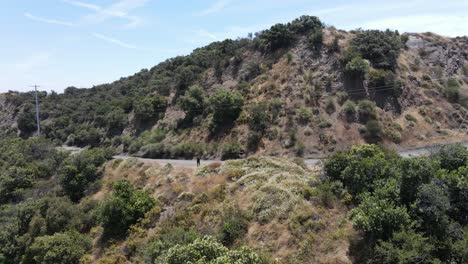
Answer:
[(231, 151), (330, 106), (315, 39), (207, 250), (80, 170), (366, 111), (349, 109), (357, 67), (193, 102), (58, 248), (123, 208), (253, 140), (234, 225), (226, 107), (411, 118), (259, 120), (305, 24), (278, 36), (452, 157), (147, 107), (374, 130), (304, 115), (381, 48), (342, 97), (300, 148), (27, 122)]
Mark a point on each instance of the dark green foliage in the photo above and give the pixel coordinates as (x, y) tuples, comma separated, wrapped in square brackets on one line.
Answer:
[(231, 151), (27, 122), (117, 120), (349, 109), (24, 161), (431, 206), (123, 208), (58, 248), (404, 247), (278, 36), (208, 250), (357, 67), (381, 48), (146, 108), (410, 210), (379, 218), (305, 24), (234, 225), (80, 170), (85, 135), (315, 39), (452, 157), (414, 173), (366, 111), (373, 130), (452, 91), (193, 102), (168, 239), (226, 106), (259, 117), (253, 140)]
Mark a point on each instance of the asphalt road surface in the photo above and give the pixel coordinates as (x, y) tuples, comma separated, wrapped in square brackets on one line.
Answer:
[(415, 152)]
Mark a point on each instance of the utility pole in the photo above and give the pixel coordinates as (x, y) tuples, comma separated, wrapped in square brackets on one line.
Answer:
[(37, 112)]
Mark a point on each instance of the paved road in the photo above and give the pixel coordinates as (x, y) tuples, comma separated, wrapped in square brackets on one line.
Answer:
[(415, 152)]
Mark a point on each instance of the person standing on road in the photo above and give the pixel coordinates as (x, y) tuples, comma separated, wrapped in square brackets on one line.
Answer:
[(198, 161)]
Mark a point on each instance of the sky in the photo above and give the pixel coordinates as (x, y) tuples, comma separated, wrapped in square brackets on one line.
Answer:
[(81, 43)]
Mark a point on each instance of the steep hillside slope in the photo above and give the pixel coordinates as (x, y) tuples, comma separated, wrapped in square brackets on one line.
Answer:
[(295, 89)]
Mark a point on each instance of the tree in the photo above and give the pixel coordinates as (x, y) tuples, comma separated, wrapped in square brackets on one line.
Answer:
[(80, 170), (305, 23), (27, 122), (67, 248), (357, 67), (453, 156), (414, 173), (381, 48), (123, 208), (403, 247), (278, 36), (379, 218), (193, 102), (373, 130), (366, 110), (116, 121), (431, 206), (258, 117), (147, 107), (209, 251), (349, 109), (226, 106)]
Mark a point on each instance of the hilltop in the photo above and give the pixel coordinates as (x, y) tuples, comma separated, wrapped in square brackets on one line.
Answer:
[(296, 89)]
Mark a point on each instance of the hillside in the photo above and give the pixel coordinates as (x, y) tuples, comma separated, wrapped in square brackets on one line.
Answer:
[(295, 89)]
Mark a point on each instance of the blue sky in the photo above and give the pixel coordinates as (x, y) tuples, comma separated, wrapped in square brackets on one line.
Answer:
[(61, 43)]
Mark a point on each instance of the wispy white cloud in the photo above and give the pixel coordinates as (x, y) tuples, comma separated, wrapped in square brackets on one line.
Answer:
[(214, 8), (83, 4), (115, 41), (49, 21), (119, 9)]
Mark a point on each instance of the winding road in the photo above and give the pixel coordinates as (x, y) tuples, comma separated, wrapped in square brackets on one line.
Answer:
[(412, 152)]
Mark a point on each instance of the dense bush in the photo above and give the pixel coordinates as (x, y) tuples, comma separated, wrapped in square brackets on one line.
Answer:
[(27, 122), (58, 248), (123, 208), (278, 36), (349, 110), (410, 210), (357, 67), (207, 250), (381, 48), (259, 118), (366, 111), (226, 107), (78, 171), (146, 108), (193, 102), (231, 151)]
